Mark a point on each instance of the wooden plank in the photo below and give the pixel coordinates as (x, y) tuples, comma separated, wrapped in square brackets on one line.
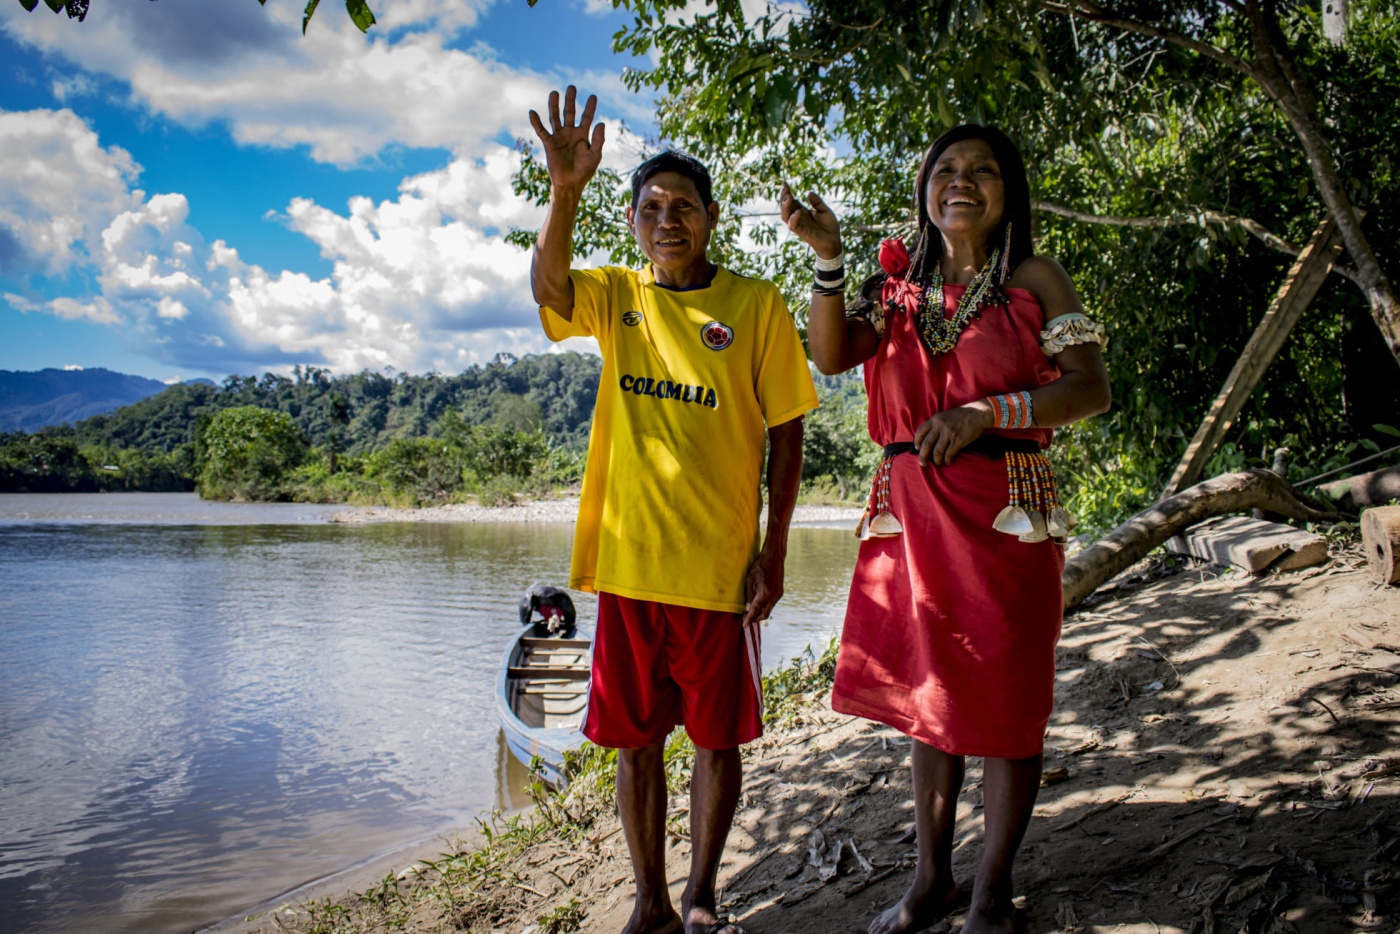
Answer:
[(1304, 278), (531, 673), (1251, 544), (553, 642)]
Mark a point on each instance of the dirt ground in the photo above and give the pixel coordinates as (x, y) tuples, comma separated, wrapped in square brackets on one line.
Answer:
[(1223, 758)]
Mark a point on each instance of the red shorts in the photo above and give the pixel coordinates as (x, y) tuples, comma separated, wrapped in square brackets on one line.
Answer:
[(658, 665)]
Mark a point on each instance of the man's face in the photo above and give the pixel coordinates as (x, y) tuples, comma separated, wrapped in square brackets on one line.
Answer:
[(672, 226)]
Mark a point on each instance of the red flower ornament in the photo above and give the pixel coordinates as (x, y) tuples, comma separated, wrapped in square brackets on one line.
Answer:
[(894, 258)]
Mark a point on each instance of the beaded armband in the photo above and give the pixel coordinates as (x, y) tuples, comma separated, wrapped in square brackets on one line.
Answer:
[(1067, 330)]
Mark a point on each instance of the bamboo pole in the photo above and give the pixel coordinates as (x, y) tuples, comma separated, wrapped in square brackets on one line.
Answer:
[(1299, 287)]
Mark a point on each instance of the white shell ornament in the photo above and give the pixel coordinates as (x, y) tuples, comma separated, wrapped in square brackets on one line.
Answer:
[(1038, 532), (1013, 521), (1060, 522), (885, 526)]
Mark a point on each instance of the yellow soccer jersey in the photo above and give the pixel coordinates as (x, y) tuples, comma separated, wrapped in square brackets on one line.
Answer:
[(691, 379)]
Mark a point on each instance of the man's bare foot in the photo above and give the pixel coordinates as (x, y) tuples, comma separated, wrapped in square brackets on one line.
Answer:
[(922, 906), (658, 921)]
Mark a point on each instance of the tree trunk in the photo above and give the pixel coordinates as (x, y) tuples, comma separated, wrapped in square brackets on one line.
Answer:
[(1275, 73), (1131, 541), (1281, 80)]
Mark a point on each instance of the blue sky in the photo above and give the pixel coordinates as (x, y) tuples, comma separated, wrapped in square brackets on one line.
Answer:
[(191, 188)]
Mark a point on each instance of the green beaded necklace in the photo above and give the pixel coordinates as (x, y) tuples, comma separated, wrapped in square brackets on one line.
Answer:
[(941, 334)]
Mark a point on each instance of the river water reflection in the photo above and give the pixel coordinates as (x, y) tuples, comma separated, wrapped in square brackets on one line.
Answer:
[(202, 706)]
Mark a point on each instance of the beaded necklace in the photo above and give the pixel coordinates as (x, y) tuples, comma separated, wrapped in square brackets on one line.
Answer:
[(941, 334)]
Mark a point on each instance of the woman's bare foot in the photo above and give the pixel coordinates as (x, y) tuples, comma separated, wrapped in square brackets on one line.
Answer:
[(703, 919), (922, 906), (990, 917)]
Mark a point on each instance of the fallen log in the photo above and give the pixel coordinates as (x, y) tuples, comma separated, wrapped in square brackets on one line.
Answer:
[(1368, 489), (1093, 567)]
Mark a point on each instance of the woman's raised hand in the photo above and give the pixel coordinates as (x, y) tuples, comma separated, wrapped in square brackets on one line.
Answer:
[(815, 226), (571, 152)]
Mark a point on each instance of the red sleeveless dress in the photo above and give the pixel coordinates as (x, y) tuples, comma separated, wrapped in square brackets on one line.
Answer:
[(951, 626)]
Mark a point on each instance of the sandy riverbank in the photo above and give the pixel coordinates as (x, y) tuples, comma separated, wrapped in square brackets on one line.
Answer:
[(562, 509), (1222, 758)]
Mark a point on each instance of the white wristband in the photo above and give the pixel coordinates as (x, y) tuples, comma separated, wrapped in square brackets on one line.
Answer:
[(828, 265)]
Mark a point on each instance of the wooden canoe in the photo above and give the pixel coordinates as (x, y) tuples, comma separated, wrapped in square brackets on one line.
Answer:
[(541, 693)]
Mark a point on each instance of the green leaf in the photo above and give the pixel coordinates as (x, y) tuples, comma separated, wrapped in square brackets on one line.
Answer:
[(904, 72), (306, 16), (55, 5), (360, 14), (1387, 430), (779, 101), (945, 110), (29, 4)]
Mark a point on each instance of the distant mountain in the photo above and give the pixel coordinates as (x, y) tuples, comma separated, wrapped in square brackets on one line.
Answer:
[(31, 400)]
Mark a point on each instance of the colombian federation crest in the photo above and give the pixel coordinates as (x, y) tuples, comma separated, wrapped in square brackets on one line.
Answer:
[(717, 336)]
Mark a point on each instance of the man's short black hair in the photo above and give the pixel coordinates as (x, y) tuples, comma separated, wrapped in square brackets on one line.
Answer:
[(672, 161)]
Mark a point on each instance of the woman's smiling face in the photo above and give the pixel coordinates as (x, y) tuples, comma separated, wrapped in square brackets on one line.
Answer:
[(965, 194)]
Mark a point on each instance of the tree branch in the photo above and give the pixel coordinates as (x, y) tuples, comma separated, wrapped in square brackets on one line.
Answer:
[(1258, 230), (1175, 220), (1094, 13)]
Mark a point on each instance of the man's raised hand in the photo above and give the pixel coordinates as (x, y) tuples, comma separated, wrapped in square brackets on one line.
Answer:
[(571, 153)]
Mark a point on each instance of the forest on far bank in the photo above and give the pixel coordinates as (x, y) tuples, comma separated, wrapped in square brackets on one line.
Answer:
[(510, 427)]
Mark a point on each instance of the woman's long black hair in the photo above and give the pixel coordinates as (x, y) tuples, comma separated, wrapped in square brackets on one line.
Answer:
[(928, 247)]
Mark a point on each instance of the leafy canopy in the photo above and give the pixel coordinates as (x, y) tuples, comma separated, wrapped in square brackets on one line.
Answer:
[(1171, 185)]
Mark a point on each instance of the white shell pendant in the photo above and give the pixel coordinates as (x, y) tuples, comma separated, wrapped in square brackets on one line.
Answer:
[(1037, 532), (1013, 521), (885, 526), (1059, 523)]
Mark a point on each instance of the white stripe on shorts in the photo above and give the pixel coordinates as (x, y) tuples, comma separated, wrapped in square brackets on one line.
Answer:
[(755, 663)]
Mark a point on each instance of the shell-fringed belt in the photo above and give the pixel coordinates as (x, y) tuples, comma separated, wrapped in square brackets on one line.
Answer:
[(1033, 514)]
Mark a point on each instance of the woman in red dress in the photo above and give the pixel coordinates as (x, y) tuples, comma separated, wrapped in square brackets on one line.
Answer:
[(973, 350)]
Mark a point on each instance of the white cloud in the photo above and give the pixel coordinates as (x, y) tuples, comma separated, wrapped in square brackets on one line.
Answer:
[(58, 188), (146, 251), (172, 308), (77, 85), (344, 95), (99, 310), (417, 283), (424, 281), (421, 281)]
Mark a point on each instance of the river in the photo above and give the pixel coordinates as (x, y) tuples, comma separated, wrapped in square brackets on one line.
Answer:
[(203, 706)]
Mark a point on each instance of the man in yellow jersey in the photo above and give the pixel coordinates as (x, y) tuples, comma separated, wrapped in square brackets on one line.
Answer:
[(701, 369)]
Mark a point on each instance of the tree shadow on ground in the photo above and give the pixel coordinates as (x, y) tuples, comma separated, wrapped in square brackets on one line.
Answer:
[(1218, 759)]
